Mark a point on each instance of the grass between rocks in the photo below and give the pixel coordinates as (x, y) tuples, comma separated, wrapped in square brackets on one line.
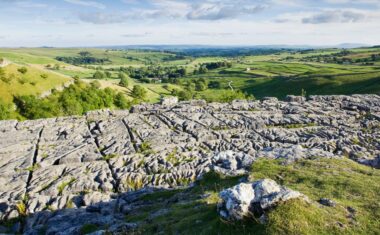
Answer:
[(355, 189)]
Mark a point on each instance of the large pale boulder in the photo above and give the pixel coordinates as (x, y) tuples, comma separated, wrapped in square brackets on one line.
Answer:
[(253, 199)]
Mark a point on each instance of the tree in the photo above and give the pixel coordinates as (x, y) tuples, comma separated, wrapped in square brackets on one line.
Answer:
[(108, 74), (200, 85), (70, 104), (98, 75), (203, 69), (44, 76), (215, 84), (84, 53), (121, 101), (182, 71), (22, 70), (123, 81), (33, 108), (184, 95), (190, 86), (121, 75), (139, 92), (56, 67)]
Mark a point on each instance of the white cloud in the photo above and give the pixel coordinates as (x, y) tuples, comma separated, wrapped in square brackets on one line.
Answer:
[(28, 4), (221, 11), (87, 3), (337, 16)]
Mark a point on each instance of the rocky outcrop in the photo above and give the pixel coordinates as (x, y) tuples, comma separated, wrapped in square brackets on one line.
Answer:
[(75, 162), (253, 199)]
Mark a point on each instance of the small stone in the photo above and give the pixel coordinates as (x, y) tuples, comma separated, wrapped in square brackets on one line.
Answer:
[(351, 210), (327, 202)]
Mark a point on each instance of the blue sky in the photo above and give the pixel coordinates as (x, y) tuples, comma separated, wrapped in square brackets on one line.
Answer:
[(214, 22)]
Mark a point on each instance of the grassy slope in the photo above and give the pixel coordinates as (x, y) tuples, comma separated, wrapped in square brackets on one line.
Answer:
[(116, 57), (269, 75), (344, 181), (33, 82), (154, 91)]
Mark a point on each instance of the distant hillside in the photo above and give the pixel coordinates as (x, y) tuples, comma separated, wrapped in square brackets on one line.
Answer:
[(27, 80)]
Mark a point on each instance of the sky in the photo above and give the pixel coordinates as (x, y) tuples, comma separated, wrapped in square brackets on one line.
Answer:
[(75, 23)]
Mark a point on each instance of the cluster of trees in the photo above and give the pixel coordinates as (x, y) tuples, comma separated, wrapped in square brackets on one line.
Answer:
[(205, 67), (199, 84), (101, 75), (341, 58), (84, 57), (77, 99), (193, 90), (146, 74), (229, 51)]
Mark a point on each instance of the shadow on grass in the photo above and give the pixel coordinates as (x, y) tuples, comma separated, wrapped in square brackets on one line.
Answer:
[(280, 87)]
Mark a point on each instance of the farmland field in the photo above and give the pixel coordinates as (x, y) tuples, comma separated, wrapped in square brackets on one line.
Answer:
[(277, 74)]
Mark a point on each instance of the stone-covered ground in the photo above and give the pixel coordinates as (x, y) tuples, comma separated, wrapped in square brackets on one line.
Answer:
[(61, 173)]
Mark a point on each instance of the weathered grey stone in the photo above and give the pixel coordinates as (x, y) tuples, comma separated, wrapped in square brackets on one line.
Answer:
[(375, 162), (248, 199), (327, 202), (169, 101), (96, 161), (232, 163), (293, 98)]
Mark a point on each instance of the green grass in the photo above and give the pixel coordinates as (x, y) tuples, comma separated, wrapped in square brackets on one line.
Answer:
[(109, 157), (65, 184), (117, 57), (342, 180), (30, 83), (269, 75)]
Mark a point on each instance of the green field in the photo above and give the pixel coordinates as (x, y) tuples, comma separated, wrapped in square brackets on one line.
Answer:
[(34, 82), (277, 74)]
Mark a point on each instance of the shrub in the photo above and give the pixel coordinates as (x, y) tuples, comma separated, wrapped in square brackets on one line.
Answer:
[(98, 75), (139, 92), (5, 110), (123, 80), (22, 70), (121, 101)]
